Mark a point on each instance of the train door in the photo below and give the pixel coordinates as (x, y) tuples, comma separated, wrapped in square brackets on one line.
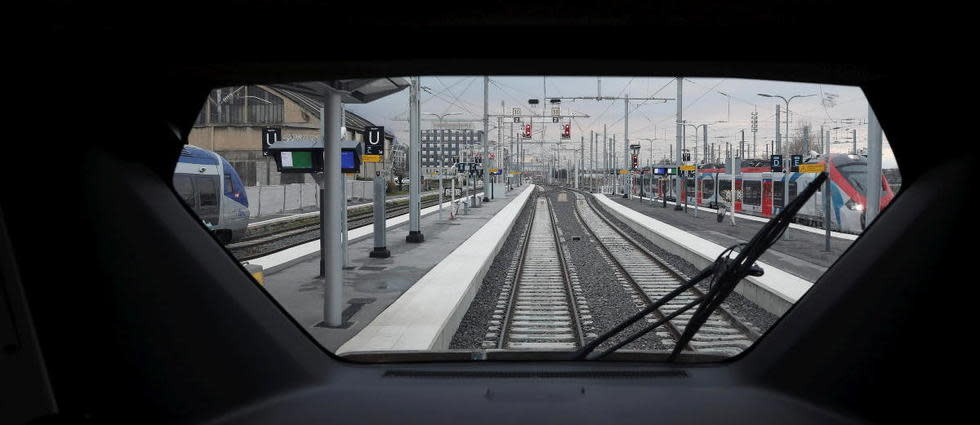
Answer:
[(738, 194), (697, 191), (767, 197), (717, 188), (207, 189)]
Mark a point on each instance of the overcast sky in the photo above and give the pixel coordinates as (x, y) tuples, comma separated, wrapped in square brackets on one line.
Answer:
[(704, 101)]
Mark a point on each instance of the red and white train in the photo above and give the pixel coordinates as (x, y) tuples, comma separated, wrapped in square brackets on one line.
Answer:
[(759, 191)]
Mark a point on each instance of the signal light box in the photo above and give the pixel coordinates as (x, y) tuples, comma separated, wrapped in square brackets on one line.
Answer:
[(306, 156)]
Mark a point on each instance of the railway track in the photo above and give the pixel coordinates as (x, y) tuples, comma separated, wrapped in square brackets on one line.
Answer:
[(648, 277), (261, 245), (539, 307)]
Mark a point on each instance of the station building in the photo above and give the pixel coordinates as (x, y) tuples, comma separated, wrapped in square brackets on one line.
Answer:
[(232, 120)]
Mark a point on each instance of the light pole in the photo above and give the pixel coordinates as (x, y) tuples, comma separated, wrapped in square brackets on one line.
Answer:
[(787, 108), (705, 152), (785, 174), (649, 163)]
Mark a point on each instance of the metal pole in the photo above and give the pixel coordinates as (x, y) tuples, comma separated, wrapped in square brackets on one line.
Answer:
[(627, 178), (605, 156), (330, 243), (874, 167), (697, 181), (581, 159), (442, 172), (575, 161), (806, 140), (343, 215), (736, 169), (741, 146), (680, 135), (592, 161), (380, 243), (854, 141), (510, 156), (414, 165), (650, 162), (520, 147), (486, 131), (779, 140), (498, 158), (787, 134), (826, 190), (615, 164)]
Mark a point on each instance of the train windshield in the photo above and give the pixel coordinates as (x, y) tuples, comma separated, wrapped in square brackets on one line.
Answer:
[(524, 217), (856, 175)]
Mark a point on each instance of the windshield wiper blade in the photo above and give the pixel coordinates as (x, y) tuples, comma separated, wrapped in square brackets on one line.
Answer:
[(726, 273)]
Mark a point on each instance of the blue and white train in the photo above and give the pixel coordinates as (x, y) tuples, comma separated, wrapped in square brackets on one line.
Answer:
[(211, 187)]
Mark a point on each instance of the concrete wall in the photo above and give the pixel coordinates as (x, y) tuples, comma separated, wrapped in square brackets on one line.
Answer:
[(275, 199), (359, 189)]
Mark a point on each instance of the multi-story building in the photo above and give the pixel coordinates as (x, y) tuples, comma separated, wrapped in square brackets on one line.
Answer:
[(445, 147), (233, 118)]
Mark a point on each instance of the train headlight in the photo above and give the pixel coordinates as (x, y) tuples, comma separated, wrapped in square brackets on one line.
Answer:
[(854, 206)]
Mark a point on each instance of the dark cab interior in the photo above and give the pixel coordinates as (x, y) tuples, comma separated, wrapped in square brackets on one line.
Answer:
[(119, 306)]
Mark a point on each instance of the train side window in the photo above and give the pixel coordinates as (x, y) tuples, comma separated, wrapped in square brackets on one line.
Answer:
[(229, 187), (792, 190), (208, 191), (752, 193), (185, 188)]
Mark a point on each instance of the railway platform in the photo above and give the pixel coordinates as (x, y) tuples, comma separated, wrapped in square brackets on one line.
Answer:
[(791, 265), (802, 255), (372, 285)]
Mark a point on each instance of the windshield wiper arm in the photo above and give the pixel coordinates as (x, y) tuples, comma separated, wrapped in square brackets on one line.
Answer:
[(727, 274)]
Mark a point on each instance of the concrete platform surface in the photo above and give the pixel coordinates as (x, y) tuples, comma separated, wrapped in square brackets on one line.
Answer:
[(750, 217), (372, 284), (427, 315), (287, 257)]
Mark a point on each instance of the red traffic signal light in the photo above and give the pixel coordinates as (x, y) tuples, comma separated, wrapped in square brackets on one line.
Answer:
[(636, 161), (566, 131), (527, 131)]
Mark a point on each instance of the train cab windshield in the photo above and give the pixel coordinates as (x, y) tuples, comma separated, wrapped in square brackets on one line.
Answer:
[(433, 218)]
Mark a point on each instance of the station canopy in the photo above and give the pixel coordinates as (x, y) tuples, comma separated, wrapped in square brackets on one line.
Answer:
[(357, 90)]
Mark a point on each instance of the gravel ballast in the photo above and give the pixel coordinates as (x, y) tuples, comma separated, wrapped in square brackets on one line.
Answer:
[(610, 300), (473, 328), (736, 304)]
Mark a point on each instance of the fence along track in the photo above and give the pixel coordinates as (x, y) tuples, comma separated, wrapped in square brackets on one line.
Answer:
[(257, 243), (653, 278)]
